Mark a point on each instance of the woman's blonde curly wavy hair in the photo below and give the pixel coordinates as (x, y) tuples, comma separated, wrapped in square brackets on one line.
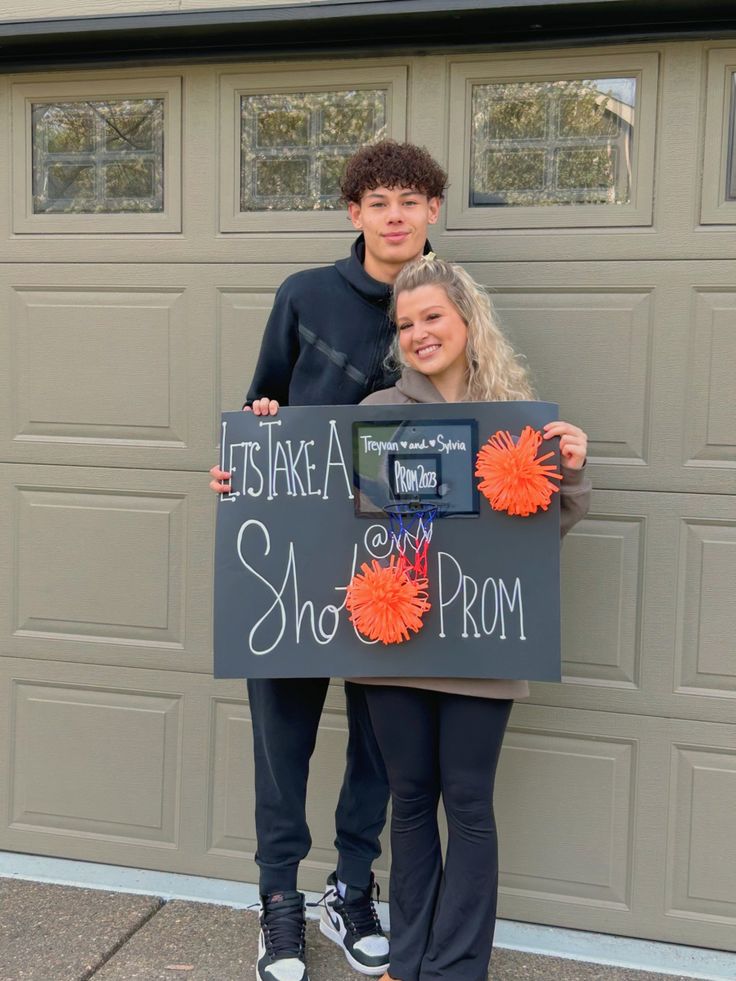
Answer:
[(495, 371)]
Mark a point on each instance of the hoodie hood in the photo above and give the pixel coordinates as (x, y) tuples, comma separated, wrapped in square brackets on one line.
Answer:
[(417, 387), (353, 270)]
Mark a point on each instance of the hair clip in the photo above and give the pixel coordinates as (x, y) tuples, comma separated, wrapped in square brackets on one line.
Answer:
[(429, 257)]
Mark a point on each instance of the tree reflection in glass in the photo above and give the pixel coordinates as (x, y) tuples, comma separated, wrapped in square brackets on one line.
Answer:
[(98, 157), (552, 143), (294, 146)]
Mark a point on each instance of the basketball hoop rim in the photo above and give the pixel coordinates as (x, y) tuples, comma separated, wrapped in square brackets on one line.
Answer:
[(415, 508)]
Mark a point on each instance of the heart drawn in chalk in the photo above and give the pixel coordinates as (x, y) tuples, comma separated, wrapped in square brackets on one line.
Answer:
[(404, 444), (432, 442)]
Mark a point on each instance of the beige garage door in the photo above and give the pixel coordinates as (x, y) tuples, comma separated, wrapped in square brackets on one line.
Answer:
[(150, 217)]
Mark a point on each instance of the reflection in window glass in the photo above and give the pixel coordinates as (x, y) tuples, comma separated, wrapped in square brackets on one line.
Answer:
[(98, 157), (558, 142), (294, 146), (731, 188)]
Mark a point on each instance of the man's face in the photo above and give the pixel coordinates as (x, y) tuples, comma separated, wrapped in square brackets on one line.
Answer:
[(394, 222)]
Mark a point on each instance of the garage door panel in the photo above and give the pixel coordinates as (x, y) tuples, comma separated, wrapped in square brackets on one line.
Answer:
[(648, 582), (666, 784), (710, 433), (242, 316), (606, 637), (639, 354), (106, 763), (77, 552), (706, 624), (231, 799), (575, 778), (607, 336), (577, 846), (110, 567), (701, 867), (602, 585), (100, 365), (692, 672), (95, 763), (132, 367), (114, 370)]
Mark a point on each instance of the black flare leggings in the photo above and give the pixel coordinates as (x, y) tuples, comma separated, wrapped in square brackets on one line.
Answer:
[(435, 743)]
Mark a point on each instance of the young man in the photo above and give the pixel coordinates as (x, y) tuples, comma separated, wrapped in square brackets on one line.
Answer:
[(325, 344)]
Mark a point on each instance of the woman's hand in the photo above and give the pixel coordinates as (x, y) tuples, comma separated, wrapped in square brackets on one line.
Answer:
[(573, 443), (220, 482)]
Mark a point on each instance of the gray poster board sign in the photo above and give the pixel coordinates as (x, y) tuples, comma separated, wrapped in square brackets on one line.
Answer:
[(306, 511)]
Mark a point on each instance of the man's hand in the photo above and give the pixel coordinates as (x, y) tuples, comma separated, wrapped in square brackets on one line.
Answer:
[(263, 407), (573, 443), (220, 482)]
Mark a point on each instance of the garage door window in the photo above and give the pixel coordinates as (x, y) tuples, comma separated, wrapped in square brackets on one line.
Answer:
[(286, 135), (719, 152), (98, 157), (731, 189), (542, 142), (552, 143), (294, 147)]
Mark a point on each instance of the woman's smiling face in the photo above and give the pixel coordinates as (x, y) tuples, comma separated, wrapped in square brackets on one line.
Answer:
[(433, 337)]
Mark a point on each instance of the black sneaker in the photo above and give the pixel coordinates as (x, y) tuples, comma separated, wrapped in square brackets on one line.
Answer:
[(352, 923), (281, 940)]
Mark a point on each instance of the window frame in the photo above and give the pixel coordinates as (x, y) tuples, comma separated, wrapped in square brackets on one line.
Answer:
[(719, 137), (392, 77), (643, 66), (25, 94)]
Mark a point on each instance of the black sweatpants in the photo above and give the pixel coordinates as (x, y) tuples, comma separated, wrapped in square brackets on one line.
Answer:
[(442, 920), (286, 714)]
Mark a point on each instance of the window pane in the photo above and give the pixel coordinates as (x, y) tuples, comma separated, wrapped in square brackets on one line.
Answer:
[(330, 174), (98, 157), (555, 142), (346, 125), (731, 189), (282, 178), (510, 119), (294, 146), (69, 131), (282, 128), (521, 171), (128, 128), (586, 171), (134, 179), (70, 180)]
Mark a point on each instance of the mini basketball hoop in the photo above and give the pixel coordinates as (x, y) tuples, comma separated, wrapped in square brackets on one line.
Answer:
[(411, 524)]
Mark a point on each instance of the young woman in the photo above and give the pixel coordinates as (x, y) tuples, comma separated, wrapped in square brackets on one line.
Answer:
[(442, 736)]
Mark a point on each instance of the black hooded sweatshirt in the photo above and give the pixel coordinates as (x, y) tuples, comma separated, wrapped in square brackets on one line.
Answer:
[(327, 336)]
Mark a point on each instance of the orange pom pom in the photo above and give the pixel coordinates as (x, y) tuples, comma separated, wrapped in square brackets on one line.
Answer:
[(385, 603), (514, 478)]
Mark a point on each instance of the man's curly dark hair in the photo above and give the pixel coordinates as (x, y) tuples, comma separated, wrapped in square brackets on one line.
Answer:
[(392, 164)]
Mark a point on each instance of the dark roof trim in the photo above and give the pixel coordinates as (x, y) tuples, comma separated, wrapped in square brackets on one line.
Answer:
[(376, 26)]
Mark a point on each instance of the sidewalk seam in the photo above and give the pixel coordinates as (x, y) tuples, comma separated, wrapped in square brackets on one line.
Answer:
[(109, 954)]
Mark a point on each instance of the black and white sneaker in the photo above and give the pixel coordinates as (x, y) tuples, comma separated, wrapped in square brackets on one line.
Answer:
[(281, 940), (352, 923)]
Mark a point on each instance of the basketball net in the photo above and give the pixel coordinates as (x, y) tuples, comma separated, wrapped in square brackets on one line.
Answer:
[(410, 525)]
